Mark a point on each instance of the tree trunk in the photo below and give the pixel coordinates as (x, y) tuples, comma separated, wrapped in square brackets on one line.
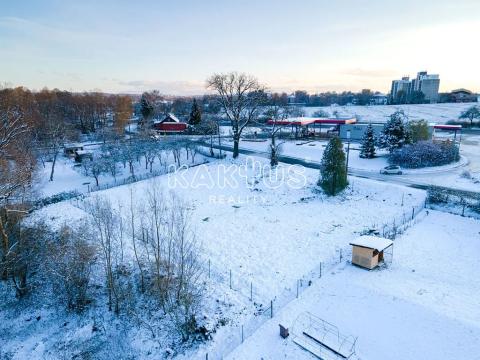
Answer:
[(273, 154), (5, 245), (53, 165), (236, 142)]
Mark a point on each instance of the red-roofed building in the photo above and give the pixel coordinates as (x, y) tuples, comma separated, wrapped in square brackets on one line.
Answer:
[(170, 125), (308, 126)]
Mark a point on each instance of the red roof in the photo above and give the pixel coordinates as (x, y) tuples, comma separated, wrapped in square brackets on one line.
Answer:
[(336, 121), (307, 121), (448, 127)]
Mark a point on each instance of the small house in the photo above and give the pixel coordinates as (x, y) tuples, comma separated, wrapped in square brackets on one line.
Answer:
[(170, 125), (369, 251), (82, 155), (71, 149)]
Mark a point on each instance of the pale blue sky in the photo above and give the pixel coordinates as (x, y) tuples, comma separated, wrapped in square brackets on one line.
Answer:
[(173, 46)]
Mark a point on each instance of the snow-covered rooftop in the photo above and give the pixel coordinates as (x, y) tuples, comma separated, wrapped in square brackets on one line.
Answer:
[(173, 117), (372, 242)]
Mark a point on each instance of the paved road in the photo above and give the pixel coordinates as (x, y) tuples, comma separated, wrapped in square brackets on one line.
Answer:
[(407, 180)]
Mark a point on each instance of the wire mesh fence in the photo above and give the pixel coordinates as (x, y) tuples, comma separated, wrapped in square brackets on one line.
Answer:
[(267, 308)]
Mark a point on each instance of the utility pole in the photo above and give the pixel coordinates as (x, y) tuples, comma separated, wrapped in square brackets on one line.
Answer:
[(348, 152)]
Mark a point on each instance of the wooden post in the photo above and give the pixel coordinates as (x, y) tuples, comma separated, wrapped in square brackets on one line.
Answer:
[(242, 334), (320, 270), (209, 268), (297, 289), (230, 279), (413, 212), (271, 308), (341, 255), (251, 291)]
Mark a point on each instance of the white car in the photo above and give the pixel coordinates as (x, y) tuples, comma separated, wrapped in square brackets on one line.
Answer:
[(391, 170)]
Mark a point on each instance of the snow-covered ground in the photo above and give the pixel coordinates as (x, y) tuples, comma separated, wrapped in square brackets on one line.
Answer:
[(437, 113), (70, 176), (425, 305), (268, 233)]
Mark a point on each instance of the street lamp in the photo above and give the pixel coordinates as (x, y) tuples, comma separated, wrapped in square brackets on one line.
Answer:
[(348, 151)]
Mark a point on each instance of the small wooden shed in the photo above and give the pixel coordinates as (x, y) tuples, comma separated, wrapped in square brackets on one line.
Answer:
[(369, 251), (71, 149)]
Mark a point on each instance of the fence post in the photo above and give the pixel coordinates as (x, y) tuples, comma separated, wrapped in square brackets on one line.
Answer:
[(341, 255), (230, 279), (209, 268), (206, 356), (297, 289), (271, 309), (320, 270), (242, 334), (251, 291), (413, 212)]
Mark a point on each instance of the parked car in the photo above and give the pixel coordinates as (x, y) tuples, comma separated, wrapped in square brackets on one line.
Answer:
[(391, 170)]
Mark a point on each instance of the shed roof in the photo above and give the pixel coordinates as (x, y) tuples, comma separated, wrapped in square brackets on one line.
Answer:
[(372, 242), (303, 121)]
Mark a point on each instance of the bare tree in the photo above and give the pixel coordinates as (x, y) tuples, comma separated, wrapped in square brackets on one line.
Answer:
[(184, 295), (240, 98), (277, 113), (104, 222), (133, 226), (71, 259)]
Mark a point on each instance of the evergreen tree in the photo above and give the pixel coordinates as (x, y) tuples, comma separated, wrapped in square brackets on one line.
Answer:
[(395, 133), (146, 107), (368, 143), (333, 172), (195, 114)]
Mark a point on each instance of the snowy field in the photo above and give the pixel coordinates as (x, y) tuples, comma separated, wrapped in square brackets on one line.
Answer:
[(265, 231), (425, 305), (268, 233), (437, 113)]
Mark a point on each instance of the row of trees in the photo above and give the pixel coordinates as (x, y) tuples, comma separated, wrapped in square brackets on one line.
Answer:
[(50, 118), (131, 153)]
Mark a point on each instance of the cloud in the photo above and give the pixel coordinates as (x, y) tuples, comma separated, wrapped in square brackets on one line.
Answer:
[(165, 87), (369, 73)]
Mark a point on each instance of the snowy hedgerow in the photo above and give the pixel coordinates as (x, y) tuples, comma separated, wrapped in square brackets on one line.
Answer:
[(368, 143), (395, 133), (333, 172), (425, 153), (436, 195)]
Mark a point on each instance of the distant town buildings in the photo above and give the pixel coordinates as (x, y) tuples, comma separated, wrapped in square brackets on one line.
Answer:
[(424, 88), (428, 85), (400, 89), (462, 96), (379, 99)]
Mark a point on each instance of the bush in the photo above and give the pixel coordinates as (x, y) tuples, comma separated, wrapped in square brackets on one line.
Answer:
[(437, 196), (66, 195), (425, 153)]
